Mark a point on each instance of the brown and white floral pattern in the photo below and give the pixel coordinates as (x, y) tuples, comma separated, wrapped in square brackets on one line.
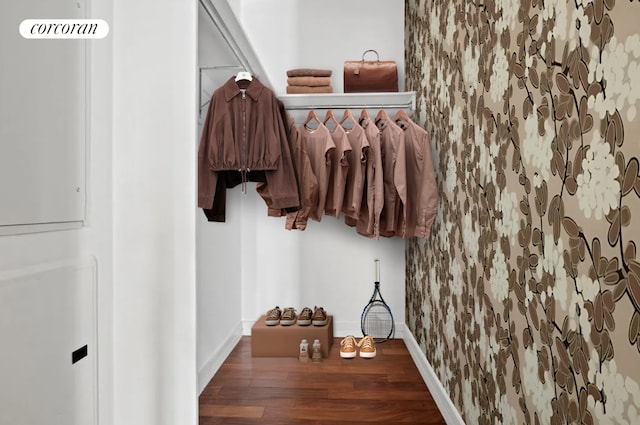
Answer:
[(526, 298)]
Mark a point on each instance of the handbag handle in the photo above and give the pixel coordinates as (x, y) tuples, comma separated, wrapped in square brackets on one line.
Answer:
[(367, 51)]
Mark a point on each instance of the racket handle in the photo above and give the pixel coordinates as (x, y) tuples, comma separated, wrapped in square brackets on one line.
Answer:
[(376, 262)]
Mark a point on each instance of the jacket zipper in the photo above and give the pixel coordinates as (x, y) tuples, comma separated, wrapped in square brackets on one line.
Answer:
[(243, 164)]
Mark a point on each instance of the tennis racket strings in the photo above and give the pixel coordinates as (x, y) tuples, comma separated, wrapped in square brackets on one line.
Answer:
[(377, 319)]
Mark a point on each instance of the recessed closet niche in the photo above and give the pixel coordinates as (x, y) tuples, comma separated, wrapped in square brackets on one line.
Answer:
[(251, 263)]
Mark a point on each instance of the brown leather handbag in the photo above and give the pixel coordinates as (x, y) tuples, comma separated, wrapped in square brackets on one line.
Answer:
[(370, 76)]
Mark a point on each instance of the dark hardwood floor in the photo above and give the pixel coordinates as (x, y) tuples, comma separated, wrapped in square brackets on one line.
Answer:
[(284, 391)]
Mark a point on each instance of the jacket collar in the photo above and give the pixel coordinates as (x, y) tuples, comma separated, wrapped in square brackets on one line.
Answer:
[(231, 89)]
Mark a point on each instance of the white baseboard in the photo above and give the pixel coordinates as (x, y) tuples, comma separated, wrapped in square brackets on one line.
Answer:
[(440, 396), (246, 327), (206, 372)]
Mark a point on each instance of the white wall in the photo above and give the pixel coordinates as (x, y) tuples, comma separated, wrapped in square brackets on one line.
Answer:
[(93, 241), (328, 264), (221, 263), (154, 128), (291, 34), (219, 247), (250, 263), (271, 28), (235, 5)]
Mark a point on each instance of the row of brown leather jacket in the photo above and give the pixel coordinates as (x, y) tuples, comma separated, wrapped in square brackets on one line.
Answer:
[(377, 173)]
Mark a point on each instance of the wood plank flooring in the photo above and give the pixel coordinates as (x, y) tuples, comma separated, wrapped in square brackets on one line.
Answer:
[(283, 391)]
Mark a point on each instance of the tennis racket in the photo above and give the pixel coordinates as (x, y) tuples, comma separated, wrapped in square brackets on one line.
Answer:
[(377, 319)]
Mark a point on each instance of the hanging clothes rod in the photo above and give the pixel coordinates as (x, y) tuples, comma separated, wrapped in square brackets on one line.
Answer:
[(205, 68), (408, 105)]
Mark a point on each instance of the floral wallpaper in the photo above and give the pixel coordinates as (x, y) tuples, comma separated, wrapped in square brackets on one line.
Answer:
[(526, 298)]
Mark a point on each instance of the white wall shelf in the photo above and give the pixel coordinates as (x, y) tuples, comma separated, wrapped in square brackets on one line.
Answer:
[(350, 100), (299, 104)]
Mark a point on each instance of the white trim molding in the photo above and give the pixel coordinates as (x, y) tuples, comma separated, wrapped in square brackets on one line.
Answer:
[(440, 396), (246, 327), (209, 369)]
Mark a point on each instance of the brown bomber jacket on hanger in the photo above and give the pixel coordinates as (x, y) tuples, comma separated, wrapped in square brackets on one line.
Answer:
[(244, 139)]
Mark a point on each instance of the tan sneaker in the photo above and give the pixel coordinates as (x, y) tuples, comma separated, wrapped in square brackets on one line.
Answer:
[(304, 318), (348, 347), (273, 316), (288, 316), (319, 317), (367, 347)]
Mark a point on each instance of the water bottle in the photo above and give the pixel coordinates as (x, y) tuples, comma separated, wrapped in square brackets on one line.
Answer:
[(304, 351), (317, 352)]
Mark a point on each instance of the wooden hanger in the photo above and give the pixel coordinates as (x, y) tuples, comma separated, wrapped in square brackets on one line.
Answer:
[(311, 116), (349, 115), (364, 115), (382, 116), (330, 116), (402, 118), (401, 115)]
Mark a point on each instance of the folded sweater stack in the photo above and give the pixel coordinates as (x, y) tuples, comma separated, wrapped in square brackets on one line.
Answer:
[(306, 80)]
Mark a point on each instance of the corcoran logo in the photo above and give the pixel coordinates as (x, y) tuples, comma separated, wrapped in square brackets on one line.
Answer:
[(64, 28)]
